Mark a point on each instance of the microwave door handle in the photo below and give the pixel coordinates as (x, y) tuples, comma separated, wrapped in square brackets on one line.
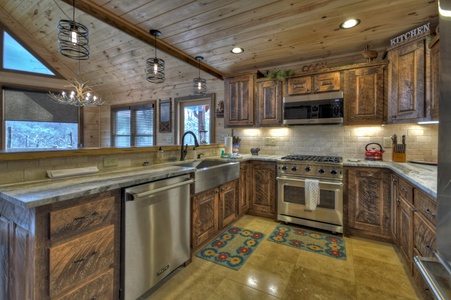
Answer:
[(302, 180)]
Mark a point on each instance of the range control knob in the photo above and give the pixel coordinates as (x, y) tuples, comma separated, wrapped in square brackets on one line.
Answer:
[(321, 171), (294, 168), (333, 172), (284, 168), (307, 169)]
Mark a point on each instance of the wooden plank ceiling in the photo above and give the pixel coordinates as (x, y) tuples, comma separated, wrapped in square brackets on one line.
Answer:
[(273, 33)]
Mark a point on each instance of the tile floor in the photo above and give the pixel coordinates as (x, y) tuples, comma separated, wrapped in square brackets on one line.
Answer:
[(372, 271)]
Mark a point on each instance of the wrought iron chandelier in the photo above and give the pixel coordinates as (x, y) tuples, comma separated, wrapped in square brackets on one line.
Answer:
[(199, 84), (155, 66), (73, 38)]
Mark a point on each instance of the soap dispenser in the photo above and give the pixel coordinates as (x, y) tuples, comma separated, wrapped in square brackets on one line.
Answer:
[(160, 155)]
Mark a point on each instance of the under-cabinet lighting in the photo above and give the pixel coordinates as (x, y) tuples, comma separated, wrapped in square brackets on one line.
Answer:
[(427, 122)]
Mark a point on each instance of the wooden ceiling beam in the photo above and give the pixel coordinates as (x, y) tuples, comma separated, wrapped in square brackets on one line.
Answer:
[(117, 22)]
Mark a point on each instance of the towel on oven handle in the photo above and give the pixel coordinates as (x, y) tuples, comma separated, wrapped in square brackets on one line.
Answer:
[(311, 194)]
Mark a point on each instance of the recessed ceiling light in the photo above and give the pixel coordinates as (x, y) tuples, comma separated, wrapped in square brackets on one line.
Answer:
[(237, 50), (350, 23)]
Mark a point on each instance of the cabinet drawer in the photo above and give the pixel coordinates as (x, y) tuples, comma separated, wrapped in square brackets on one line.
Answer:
[(327, 82), (425, 205), (405, 190), (80, 259), (300, 85), (73, 220), (100, 288), (424, 236)]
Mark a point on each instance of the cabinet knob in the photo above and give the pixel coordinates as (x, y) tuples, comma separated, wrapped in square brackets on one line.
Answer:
[(429, 212), (394, 116)]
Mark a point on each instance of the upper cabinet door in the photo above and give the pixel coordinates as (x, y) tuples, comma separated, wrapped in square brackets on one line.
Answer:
[(239, 101), (406, 83), (269, 103), (327, 82), (435, 80), (364, 96)]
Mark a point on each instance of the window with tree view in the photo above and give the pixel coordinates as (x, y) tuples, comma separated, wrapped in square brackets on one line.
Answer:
[(35, 122), (196, 118)]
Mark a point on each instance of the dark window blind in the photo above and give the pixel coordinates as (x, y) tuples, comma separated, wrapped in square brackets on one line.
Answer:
[(133, 126)]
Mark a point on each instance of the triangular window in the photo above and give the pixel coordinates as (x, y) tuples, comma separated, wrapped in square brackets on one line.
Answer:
[(17, 58)]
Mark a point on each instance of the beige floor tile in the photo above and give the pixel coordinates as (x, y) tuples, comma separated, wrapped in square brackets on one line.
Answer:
[(231, 290), (369, 293), (383, 276), (308, 284), (383, 252), (210, 267)]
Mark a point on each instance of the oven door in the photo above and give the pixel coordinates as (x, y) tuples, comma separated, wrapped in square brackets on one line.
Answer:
[(291, 200)]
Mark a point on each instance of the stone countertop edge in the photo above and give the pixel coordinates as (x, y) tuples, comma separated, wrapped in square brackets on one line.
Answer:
[(43, 192), (48, 191)]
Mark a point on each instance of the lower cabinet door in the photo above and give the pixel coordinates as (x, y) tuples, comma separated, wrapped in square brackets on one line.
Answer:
[(100, 288), (205, 216), (405, 231), (228, 202)]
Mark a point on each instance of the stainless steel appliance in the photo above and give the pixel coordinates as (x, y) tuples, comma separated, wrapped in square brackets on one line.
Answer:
[(321, 108), (292, 170), (156, 233)]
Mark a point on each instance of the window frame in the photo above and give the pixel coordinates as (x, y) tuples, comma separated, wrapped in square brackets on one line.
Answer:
[(179, 116), (130, 107)]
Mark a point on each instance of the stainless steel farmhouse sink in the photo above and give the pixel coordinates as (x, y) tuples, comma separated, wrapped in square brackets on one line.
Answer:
[(212, 173)]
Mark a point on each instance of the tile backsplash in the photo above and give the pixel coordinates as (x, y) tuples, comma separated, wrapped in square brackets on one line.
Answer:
[(339, 140)]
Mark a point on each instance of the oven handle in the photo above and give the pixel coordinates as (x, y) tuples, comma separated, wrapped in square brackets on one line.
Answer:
[(302, 180)]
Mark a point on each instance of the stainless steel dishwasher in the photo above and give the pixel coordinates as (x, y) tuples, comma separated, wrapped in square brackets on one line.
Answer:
[(156, 233)]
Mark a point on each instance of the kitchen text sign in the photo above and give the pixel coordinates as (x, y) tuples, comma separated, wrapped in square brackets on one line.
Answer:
[(411, 34)]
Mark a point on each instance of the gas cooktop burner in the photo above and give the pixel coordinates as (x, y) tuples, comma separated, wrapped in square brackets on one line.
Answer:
[(314, 158)]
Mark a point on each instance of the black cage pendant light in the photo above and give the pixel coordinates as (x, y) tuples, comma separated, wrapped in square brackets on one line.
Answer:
[(199, 84), (73, 38), (155, 66)]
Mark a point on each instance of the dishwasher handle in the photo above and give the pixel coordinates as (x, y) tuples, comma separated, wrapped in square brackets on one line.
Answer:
[(131, 196)]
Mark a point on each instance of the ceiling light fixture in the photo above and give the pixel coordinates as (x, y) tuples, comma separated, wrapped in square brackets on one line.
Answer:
[(237, 50), (349, 23), (73, 38), (80, 95), (199, 84), (155, 66)]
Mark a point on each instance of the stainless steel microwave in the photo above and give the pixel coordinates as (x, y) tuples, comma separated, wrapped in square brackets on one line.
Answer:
[(322, 108)]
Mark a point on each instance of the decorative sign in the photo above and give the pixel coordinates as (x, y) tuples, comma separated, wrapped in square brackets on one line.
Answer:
[(165, 112), (423, 29)]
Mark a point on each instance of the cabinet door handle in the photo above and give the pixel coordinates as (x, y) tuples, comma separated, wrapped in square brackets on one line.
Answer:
[(85, 258), (429, 248), (403, 189), (93, 214), (429, 212)]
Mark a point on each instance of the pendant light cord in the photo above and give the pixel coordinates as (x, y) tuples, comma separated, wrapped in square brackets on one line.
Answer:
[(155, 45), (73, 8)]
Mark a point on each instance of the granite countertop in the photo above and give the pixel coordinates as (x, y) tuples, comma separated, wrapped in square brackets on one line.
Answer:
[(37, 193)]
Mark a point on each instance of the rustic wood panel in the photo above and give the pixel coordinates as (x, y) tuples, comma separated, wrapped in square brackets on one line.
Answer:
[(327, 82), (406, 231), (22, 263), (406, 82), (205, 216), (394, 208), (80, 259), (435, 79), (5, 259), (269, 103), (100, 288), (239, 101), (299, 85), (264, 189), (369, 201), (424, 236), (364, 94), (228, 201), (71, 221), (426, 205), (244, 188)]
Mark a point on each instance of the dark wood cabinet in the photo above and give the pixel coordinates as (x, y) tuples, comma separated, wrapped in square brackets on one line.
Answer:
[(406, 82), (405, 231), (205, 216), (434, 77), (228, 203), (394, 208), (364, 94), (244, 188), (264, 189), (368, 202), (317, 83), (269, 103), (239, 101), (64, 250)]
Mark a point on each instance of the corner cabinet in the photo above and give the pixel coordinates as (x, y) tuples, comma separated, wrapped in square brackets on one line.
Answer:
[(65, 250), (406, 82), (269, 103), (263, 189), (364, 94), (368, 202), (239, 101)]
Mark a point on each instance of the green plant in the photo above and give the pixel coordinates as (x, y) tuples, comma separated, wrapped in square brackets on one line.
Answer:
[(280, 74)]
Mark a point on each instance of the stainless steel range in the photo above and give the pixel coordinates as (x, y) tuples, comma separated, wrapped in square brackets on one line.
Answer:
[(292, 171)]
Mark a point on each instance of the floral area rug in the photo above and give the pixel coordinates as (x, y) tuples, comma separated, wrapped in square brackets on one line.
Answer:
[(312, 241), (232, 248)]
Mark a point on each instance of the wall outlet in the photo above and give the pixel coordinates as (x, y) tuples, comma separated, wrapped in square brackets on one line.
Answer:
[(387, 141), (270, 141), (110, 162)]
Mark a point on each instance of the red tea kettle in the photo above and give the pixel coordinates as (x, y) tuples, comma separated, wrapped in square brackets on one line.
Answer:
[(373, 154)]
